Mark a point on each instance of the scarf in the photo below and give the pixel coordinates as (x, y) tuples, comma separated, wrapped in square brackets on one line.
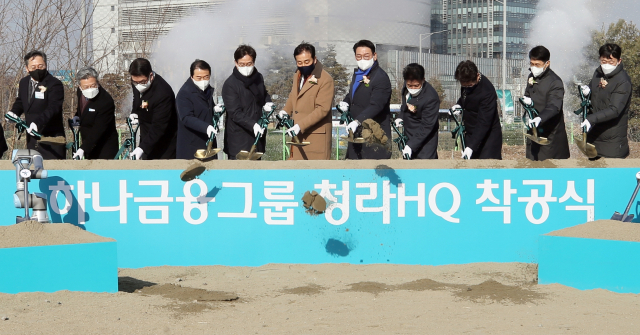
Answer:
[(253, 83), (359, 77)]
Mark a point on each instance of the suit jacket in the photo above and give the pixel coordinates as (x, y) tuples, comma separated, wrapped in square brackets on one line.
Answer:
[(421, 125), (481, 120), (195, 115), (548, 98), (310, 108), (159, 121), (46, 113), (98, 126), (610, 113), (371, 103), (244, 109)]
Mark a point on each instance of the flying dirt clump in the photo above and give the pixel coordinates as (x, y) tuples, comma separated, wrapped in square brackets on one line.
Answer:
[(373, 133), (314, 203)]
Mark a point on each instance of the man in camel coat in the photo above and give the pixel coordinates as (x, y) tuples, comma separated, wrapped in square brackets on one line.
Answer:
[(309, 105)]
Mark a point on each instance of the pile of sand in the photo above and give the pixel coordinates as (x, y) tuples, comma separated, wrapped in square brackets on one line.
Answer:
[(603, 230), (34, 234)]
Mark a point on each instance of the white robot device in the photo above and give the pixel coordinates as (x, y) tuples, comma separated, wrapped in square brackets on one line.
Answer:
[(29, 165)]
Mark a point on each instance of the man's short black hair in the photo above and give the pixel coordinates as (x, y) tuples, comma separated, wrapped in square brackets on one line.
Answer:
[(413, 71), (540, 53), (466, 72), (244, 50), (34, 53), (610, 49), (140, 67), (305, 47), (200, 64), (364, 43)]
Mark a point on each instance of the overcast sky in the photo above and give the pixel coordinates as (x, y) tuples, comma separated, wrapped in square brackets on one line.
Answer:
[(619, 9)]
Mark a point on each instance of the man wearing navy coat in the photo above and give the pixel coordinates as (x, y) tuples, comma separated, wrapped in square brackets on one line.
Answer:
[(368, 98), (195, 112)]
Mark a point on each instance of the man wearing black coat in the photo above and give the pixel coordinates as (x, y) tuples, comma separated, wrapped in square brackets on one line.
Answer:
[(96, 115), (419, 114), (245, 97), (195, 112), (154, 106), (546, 91), (610, 90), (479, 102), (40, 98), (368, 98)]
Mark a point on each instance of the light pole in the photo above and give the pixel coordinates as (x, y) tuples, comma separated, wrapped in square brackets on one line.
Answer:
[(504, 58), (427, 35)]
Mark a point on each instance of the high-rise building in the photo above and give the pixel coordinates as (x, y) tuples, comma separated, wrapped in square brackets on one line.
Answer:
[(474, 28)]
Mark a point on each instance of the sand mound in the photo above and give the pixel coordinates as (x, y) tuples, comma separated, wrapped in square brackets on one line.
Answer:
[(603, 230), (180, 293), (34, 233)]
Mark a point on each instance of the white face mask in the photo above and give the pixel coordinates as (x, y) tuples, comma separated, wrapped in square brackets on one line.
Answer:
[(246, 70), (364, 65), (203, 84), (608, 68), (537, 71), (143, 87), (90, 93), (414, 92)]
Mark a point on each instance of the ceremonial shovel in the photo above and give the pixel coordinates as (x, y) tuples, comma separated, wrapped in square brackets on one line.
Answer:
[(346, 118), (533, 113), (588, 149), (625, 217), (204, 154), (252, 154)]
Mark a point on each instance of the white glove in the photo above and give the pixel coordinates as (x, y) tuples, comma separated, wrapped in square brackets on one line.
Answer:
[(535, 122), (268, 106), (12, 114), (79, 154), (406, 151), (293, 131), (457, 109), (467, 153), (32, 128), (344, 106), (585, 90), (218, 108), (353, 125), (399, 123), (586, 124), (212, 130), (282, 114), (527, 100), (136, 154), (134, 118), (257, 130)]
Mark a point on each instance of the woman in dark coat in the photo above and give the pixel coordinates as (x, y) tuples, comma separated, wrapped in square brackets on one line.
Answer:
[(610, 97), (479, 102), (195, 104), (245, 97), (546, 90), (419, 114), (96, 114)]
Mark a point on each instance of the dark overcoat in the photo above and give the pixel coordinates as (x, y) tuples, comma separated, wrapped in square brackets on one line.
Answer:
[(98, 134), (195, 115), (421, 125)]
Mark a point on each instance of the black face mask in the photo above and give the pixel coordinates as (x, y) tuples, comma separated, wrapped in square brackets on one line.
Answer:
[(306, 70), (38, 74)]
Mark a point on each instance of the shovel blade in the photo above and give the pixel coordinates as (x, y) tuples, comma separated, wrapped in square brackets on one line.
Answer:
[(296, 141), (357, 140), (539, 140), (251, 155), (619, 217), (587, 149), (203, 154), (192, 172)]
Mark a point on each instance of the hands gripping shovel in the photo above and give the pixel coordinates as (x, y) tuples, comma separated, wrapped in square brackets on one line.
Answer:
[(458, 133), (22, 127), (532, 113), (252, 154), (346, 119), (204, 154), (588, 149), (74, 124), (402, 139), (285, 122)]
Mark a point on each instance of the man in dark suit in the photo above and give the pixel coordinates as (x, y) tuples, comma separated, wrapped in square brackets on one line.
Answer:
[(96, 115), (245, 97), (368, 98), (479, 102), (40, 98), (195, 112), (545, 91), (419, 114), (154, 106)]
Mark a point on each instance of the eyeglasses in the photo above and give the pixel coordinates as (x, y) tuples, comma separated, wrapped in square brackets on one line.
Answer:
[(86, 87), (611, 61), (365, 57)]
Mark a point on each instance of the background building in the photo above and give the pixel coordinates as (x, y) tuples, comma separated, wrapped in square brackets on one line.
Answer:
[(475, 27)]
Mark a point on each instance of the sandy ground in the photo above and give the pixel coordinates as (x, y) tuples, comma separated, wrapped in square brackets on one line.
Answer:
[(485, 298)]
